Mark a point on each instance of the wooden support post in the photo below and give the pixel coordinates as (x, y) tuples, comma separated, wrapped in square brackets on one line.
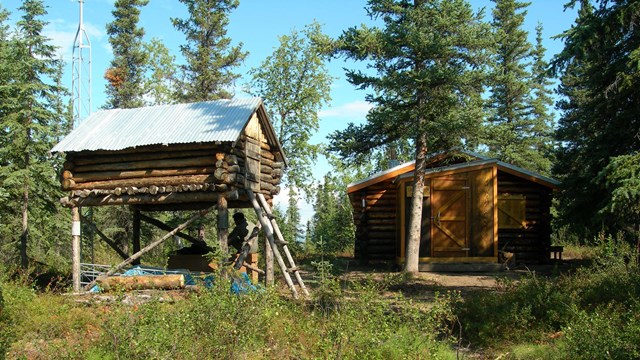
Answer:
[(269, 275), (136, 234), (75, 247), (223, 224), (151, 246), (268, 259), (104, 237)]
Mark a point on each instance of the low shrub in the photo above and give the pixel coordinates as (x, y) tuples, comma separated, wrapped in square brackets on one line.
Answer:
[(608, 332), (531, 309)]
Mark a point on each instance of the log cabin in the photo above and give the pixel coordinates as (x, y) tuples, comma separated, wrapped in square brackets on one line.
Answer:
[(473, 208), (196, 156)]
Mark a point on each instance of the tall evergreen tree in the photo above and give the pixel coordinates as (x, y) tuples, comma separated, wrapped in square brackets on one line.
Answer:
[(125, 76), (295, 84), (541, 105), (208, 73), (429, 59), (30, 119), (599, 127), (513, 128), (292, 226), (332, 228)]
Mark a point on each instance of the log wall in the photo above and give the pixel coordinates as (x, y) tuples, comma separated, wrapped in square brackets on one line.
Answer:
[(376, 223), (530, 244), (98, 178)]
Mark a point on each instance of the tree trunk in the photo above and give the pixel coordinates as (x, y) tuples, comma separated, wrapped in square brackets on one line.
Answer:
[(24, 236), (223, 224), (415, 217), (142, 282)]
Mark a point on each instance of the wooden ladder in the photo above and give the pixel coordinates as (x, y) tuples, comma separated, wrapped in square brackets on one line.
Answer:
[(275, 238)]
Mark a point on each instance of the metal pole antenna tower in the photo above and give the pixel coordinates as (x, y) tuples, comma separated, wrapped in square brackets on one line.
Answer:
[(81, 73)]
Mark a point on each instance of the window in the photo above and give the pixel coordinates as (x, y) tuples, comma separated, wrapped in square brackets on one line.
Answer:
[(511, 211)]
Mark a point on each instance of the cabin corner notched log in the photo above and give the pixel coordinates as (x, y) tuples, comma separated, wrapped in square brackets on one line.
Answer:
[(173, 157), (473, 208)]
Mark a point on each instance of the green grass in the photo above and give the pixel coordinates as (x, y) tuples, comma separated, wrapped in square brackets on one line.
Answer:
[(592, 312), (216, 323)]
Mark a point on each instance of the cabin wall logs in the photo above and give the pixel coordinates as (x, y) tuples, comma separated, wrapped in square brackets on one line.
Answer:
[(532, 242), (164, 169), (376, 222)]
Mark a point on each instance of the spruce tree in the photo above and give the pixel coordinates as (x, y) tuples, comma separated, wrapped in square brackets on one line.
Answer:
[(599, 129), (514, 123), (210, 58), (428, 62), (332, 228), (540, 109), (31, 119), (125, 76)]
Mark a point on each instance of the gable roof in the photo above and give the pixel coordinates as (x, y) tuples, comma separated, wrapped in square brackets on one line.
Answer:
[(406, 171), (118, 129)]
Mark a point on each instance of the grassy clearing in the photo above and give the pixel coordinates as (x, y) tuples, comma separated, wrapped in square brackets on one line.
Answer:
[(590, 313), (215, 323)]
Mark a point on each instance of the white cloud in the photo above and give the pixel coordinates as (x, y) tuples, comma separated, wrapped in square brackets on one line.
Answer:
[(353, 110), (306, 207)]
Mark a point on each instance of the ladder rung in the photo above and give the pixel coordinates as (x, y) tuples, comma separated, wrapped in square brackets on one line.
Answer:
[(293, 269), (280, 242)]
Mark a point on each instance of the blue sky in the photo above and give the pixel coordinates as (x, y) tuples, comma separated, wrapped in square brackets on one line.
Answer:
[(257, 24)]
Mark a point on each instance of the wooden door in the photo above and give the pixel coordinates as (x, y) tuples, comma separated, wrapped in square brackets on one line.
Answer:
[(449, 225)]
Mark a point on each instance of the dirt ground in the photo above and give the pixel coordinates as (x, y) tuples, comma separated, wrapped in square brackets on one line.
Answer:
[(423, 286)]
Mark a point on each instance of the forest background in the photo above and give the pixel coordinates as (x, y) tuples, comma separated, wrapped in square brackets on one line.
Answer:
[(572, 139)]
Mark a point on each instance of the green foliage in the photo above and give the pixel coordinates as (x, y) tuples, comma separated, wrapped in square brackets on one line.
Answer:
[(530, 309), (599, 75), (332, 228), (294, 84), (518, 128), (210, 60), (125, 76), (161, 79), (608, 332), (431, 85), (32, 118), (257, 325), (621, 178)]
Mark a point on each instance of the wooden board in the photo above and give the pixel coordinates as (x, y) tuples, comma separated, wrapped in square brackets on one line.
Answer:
[(482, 241), (449, 211)]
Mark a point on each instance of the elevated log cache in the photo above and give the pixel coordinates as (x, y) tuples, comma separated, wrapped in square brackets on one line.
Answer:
[(173, 174)]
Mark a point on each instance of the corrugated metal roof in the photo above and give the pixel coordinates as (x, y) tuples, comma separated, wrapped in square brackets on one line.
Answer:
[(402, 168), (405, 170), (221, 120)]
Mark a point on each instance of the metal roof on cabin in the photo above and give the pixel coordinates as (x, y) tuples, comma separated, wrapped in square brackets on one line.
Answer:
[(220, 120), (406, 170)]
